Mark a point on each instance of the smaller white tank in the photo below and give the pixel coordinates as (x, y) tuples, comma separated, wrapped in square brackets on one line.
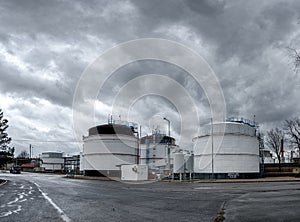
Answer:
[(189, 163), (178, 163)]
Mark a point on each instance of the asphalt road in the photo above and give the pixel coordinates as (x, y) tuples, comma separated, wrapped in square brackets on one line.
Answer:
[(46, 197)]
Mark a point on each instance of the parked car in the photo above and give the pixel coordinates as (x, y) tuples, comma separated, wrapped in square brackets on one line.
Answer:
[(15, 169)]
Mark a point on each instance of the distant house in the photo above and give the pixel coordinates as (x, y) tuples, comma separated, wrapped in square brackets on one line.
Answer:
[(29, 167), (267, 155)]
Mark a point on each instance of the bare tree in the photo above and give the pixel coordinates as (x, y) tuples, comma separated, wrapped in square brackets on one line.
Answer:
[(23, 154), (295, 55), (292, 128), (274, 141)]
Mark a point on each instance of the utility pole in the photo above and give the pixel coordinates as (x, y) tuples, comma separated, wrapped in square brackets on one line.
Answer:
[(212, 149), (30, 147), (139, 145)]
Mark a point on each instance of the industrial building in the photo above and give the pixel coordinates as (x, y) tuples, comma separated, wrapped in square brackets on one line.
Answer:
[(52, 161), (72, 163), (107, 147), (227, 149), (157, 151), (134, 172)]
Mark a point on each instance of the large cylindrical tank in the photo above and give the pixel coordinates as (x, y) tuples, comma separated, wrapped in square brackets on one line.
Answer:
[(107, 148), (178, 166), (154, 150), (189, 163), (235, 149)]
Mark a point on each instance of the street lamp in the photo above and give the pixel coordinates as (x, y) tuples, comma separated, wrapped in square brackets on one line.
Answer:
[(168, 125), (169, 140)]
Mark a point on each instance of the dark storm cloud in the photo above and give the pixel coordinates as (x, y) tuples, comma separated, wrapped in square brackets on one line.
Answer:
[(29, 86), (133, 70), (236, 28)]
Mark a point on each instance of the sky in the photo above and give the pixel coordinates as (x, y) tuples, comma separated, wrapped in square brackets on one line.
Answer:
[(47, 46)]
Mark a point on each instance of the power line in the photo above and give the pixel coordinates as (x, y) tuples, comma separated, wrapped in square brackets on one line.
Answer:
[(47, 141)]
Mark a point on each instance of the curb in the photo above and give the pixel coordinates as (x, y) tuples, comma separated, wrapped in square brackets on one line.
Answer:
[(257, 180), (250, 181), (89, 178)]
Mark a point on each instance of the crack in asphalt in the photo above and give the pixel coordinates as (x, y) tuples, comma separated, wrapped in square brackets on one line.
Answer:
[(221, 214)]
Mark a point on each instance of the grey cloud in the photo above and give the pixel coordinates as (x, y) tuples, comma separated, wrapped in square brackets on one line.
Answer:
[(206, 7), (27, 86), (245, 43)]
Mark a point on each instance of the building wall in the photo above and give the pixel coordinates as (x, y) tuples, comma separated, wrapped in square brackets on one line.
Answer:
[(134, 172), (52, 161), (53, 166), (157, 154)]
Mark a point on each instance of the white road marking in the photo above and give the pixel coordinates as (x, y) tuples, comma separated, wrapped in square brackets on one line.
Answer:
[(17, 210), (5, 214), (15, 203), (3, 183), (23, 200), (63, 216)]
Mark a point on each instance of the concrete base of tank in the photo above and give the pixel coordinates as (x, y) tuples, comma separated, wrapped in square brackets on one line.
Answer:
[(226, 175), (184, 176), (103, 173)]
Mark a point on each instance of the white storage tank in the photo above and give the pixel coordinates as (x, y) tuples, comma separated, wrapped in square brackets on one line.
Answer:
[(106, 148), (189, 163), (178, 166), (154, 150), (236, 151)]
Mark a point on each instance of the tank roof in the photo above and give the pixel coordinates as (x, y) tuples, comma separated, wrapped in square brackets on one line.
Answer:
[(111, 129), (157, 138), (52, 152), (222, 128), (242, 121), (231, 123)]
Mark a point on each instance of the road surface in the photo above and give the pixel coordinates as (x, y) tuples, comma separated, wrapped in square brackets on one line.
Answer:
[(47, 197)]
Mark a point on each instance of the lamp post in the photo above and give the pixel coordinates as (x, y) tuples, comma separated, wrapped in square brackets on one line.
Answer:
[(168, 124), (168, 149)]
